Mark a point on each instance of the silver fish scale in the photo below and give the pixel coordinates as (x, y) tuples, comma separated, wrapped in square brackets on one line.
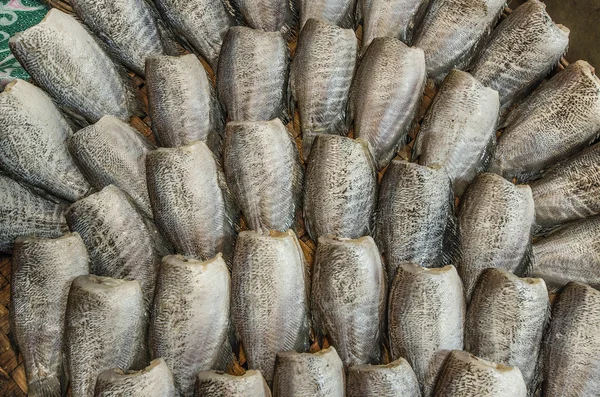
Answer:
[(320, 78), (337, 12), (190, 319), (70, 65), (155, 380), (43, 270), (572, 343), (383, 109), (269, 301), (349, 298), (394, 379), (268, 15), (218, 384), (263, 169), (520, 52)]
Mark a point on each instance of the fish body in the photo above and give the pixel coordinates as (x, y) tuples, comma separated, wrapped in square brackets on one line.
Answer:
[(340, 191), (572, 342), (394, 379), (458, 132), (155, 380), (426, 315), (466, 375), (495, 221), (309, 375), (384, 109), (190, 200), (264, 173), (253, 75), (521, 52), (506, 320), (68, 63), (415, 217), (120, 241), (111, 152), (33, 136), (349, 298), (269, 300), (453, 31), (23, 213), (43, 270), (105, 328), (268, 15), (559, 119), (190, 318), (337, 12), (182, 103), (321, 77), (218, 384)]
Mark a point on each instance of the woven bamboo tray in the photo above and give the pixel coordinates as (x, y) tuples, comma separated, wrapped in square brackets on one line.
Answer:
[(12, 372)]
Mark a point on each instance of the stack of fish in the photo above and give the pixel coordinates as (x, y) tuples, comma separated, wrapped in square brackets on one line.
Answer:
[(177, 270)]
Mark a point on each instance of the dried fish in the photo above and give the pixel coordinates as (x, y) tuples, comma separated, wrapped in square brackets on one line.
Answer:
[(153, 381), (394, 379), (219, 384)]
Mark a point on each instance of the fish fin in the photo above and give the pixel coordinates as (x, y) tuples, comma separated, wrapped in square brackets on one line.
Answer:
[(452, 252), (358, 15), (232, 213), (526, 265), (45, 387), (225, 358), (487, 155)]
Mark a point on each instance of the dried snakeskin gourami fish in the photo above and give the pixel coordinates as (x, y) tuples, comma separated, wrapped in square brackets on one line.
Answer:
[(264, 173), (269, 299), (155, 380), (253, 75), (415, 217), (453, 32), (495, 220), (521, 52), (394, 379), (105, 328), (33, 137), (219, 384), (337, 12), (190, 320), (556, 121), (268, 15), (182, 102), (458, 133), (385, 96), (340, 192), (191, 202), (43, 270), (426, 316), (309, 375), (320, 79), (68, 63)]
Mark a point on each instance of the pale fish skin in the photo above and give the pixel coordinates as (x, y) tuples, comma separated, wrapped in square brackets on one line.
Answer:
[(394, 379), (559, 119), (182, 102), (568, 191), (105, 328), (201, 24), (453, 32), (155, 380), (264, 173), (23, 213), (121, 242), (458, 132), (43, 270), (190, 320), (415, 217), (111, 152), (269, 297), (337, 12), (572, 343), (466, 375), (33, 149), (391, 18), (521, 51), (340, 191), (128, 27), (219, 384), (506, 320), (320, 79), (191, 202), (571, 253), (268, 15), (67, 62), (318, 374), (253, 75), (426, 315), (349, 297), (386, 95), (496, 220)]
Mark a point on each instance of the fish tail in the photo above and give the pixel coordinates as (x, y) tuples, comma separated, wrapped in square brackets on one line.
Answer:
[(45, 387)]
